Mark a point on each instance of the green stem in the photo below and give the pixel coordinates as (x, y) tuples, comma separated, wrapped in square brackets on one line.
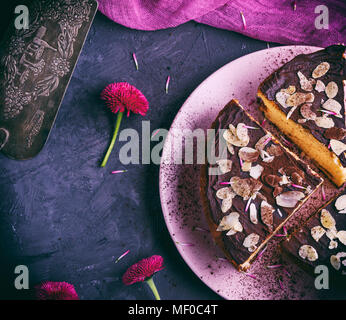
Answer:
[(152, 286), (110, 148)]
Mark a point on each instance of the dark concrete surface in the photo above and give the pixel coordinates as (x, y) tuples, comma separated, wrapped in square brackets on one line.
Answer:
[(66, 218)]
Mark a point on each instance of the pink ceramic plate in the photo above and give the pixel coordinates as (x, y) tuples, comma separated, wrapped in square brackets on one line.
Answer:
[(179, 187)]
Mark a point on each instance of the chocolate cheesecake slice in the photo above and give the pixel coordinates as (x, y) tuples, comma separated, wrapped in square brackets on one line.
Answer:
[(254, 186), (322, 240), (305, 100)]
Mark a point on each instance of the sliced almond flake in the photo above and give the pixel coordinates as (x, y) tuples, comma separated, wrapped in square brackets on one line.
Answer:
[(242, 131), (266, 157), (331, 233), (262, 142), (317, 233), (327, 219), (308, 252), (232, 135), (227, 222), (309, 97), (253, 213), (320, 70), (341, 235), (331, 89), (337, 146), (299, 98), (246, 166), (281, 97), (324, 122), (284, 180), (237, 226), (230, 147), (306, 112), (256, 171), (340, 203), (267, 215), (305, 84), (290, 90), (332, 105), (245, 187), (251, 240), (231, 232), (252, 248), (335, 262), (248, 154), (319, 87), (289, 199), (225, 165), (224, 193), (302, 121), (226, 204), (332, 245)]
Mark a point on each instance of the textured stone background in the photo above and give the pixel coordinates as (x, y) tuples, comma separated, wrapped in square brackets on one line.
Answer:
[(66, 218)]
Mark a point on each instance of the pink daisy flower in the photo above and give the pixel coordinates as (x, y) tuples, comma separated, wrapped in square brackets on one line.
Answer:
[(144, 271), (50, 290)]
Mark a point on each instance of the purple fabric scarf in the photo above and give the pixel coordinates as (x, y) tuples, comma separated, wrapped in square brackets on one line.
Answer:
[(268, 20)]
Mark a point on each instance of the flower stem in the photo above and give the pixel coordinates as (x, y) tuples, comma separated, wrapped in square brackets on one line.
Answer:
[(152, 286), (110, 148)]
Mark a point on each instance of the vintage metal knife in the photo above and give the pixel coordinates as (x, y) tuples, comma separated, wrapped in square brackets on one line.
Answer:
[(36, 67)]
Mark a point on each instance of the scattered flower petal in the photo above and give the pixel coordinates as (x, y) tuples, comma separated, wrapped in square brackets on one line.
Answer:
[(297, 186), (275, 266), (118, 171), (249, 127), (294, 5), (261, 253), (249, 275), (167, 83), (225, 182), (323, 193), (187, 244), (243, 19), (285, 230), (248, 204), (122, 256), (135, 60)]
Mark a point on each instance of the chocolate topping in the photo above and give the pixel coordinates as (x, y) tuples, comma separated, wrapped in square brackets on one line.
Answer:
[(290, 75), (323, 246), (233, 114)]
